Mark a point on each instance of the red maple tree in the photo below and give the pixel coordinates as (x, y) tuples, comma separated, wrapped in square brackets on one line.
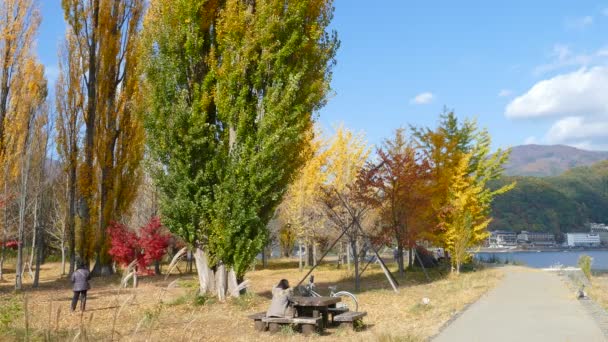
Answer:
[(147, 247)]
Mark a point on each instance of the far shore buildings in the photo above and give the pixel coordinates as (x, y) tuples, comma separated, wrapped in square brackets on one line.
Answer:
[(536, 238), (501, 238), (600, 229), (582, 239)]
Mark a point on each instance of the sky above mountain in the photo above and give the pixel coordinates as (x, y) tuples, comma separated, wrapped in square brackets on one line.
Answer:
[(529, 71)]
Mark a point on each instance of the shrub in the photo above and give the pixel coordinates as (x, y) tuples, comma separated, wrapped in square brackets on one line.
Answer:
[(146, 247), (585, 262)]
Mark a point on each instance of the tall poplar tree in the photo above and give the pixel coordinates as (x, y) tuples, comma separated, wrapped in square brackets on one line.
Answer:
[(69, 106), (106, 34), (19, 69), (233, 89)]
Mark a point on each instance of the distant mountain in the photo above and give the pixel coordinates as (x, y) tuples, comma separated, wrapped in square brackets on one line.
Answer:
[(549, 160)]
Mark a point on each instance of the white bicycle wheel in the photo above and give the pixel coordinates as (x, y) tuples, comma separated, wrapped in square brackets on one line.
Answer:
[(348, 300)]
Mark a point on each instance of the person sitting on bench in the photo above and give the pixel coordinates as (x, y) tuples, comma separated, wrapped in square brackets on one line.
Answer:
[(280, 304)]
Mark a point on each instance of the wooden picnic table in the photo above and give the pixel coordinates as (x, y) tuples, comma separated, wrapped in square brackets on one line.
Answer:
[(315, 306)]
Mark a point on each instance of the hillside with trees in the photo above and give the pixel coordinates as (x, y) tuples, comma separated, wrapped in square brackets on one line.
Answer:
[(554, 204)]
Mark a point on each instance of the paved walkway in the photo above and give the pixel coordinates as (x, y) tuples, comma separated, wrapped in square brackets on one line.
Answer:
[(528, 305)]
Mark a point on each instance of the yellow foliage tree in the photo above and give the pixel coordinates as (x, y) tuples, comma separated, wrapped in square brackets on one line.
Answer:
[(19, 22), (69, 106), (347, 153), (106, 38), (300, 208), (463, 220)]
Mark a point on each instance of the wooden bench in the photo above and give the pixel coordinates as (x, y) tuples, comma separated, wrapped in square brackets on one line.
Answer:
[(308, 324), (257, 321), (349, 318), (336, 311)]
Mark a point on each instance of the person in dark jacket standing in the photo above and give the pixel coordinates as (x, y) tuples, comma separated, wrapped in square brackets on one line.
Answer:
[(80, 279)]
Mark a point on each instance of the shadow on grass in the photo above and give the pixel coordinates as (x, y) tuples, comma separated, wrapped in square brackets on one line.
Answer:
[(372, 280)]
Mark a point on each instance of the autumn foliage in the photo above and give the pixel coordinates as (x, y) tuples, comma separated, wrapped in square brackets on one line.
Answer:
[(146, 247)]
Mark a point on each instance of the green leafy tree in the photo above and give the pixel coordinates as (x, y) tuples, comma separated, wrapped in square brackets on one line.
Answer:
[(233, 87)]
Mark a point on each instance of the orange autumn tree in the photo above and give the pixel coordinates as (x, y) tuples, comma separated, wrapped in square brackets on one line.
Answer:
[(398, 185)]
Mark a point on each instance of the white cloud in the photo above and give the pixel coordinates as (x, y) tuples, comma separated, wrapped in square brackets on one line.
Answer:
[(577, 128), (423, 98), (583, 92), (578, 102), (562, 57), (579, 23), (530, 140), (505, 93)]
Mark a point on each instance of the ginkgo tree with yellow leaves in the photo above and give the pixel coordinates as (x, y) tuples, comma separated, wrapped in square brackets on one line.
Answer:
[(300, 210), (461, 165)]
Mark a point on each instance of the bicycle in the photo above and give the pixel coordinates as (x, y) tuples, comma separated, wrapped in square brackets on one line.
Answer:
[(348, 300)]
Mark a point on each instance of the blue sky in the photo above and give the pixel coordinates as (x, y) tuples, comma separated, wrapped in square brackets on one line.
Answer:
[(529, 71)]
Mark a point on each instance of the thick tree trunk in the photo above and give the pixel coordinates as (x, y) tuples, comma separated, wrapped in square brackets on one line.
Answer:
[(310, 255), (400, 261), (202, 268), (157, 268), (220, 282)]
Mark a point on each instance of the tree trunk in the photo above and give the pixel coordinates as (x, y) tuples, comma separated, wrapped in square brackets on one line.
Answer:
[(353, 246), (300, 255), (62, 258), (400, 261), (348, 253), (202, 268), (264, 261), (309, 254), (39, 254), (5, 225), (220, 282), (410, 260), (157, 268), (314, 254), (34, 236), (340, 256), (71, 216)]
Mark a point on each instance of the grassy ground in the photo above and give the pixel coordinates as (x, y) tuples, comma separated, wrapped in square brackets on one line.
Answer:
[(599, 290), (158, 310)]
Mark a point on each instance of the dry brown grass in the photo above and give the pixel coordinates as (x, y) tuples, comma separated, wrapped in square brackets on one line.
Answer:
[(154, 313), (599, 290)]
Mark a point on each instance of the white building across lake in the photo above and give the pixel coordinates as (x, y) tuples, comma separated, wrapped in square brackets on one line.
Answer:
[(583, 239), (602, 230)]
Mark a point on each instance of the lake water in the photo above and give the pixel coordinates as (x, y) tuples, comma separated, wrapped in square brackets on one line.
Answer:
[(548, 259)]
